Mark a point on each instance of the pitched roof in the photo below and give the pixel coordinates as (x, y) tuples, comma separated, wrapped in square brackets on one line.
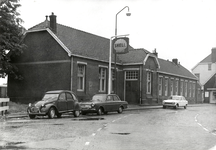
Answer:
[(167, 66), (80, 42), (207, 59), (134, 56), (96, 47)]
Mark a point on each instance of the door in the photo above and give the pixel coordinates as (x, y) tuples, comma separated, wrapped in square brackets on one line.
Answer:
[(62, 103), (132, 92), (70, 102)]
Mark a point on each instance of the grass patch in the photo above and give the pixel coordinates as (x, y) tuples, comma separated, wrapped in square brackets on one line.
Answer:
[(17, 107)]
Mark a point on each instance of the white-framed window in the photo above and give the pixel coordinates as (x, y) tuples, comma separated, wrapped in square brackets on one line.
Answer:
[(193, 89), (171, 87), (81, 77), (149, 82), (186, 88), (131, 75), (166, 87), (160, 85), (189, 89), (102, 79), (181, 87), (176, 86)]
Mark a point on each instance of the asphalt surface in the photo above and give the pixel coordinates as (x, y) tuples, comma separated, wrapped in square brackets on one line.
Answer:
[(130, 108)]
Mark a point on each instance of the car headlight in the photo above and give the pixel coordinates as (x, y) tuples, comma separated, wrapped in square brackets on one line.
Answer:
[(30, 104), (92, 105), (43, 106)]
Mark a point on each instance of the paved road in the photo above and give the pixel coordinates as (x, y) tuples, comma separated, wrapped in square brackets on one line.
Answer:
[(148, 129)]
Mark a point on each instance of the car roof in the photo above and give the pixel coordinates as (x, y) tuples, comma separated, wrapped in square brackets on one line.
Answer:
[(177, 95), (58, 91), (105, 94)]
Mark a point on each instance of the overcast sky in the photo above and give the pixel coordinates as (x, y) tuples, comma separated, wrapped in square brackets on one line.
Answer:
[(182, 29)]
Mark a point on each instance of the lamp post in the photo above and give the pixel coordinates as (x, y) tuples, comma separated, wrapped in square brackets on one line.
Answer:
[(128, 14)]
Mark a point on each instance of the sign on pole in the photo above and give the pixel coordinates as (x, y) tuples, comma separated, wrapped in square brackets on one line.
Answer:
[(120, 45)]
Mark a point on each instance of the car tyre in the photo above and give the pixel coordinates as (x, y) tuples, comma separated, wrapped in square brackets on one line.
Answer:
[(76, 113), (99, 111), (164, 107), (120, 110), (32, 116), (185, 107), (51, 113), (176, 106)]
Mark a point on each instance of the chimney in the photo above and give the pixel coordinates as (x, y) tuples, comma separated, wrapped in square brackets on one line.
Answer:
[(155, 52), (175, 61), (47, 22), (213, 55), (53, 24)]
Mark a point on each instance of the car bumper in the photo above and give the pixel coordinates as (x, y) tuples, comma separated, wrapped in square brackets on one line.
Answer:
[(169, 105), (89, 110), (34, 111)]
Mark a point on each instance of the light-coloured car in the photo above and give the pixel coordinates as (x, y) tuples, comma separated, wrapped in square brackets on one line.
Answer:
[(175, 101), (103, 103)]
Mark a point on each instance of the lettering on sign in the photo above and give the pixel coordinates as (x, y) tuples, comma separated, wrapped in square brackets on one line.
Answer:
[(120, 45)]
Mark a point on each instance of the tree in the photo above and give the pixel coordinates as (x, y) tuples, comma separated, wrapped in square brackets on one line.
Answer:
[(11, 33)]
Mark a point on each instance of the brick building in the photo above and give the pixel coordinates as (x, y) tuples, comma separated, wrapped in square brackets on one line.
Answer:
[(60, 57)]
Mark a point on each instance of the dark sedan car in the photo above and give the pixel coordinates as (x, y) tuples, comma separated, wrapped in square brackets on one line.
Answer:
[(54, 103), (103, 103)]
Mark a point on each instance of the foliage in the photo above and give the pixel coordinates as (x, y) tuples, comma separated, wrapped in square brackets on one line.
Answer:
[(10, 37)]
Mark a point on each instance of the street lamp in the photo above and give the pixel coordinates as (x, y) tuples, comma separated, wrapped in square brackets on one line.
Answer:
[(128, 14)]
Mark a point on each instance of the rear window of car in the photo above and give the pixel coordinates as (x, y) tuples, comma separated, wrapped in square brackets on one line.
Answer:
[(175, 97), (116, 98)]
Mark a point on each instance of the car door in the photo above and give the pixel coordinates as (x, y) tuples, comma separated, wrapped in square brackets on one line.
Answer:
[(108, 105), (181, 101), (70, 102), (62, 103), (116, 103)]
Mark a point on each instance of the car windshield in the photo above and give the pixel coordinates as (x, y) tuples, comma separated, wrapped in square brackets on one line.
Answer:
[(175, 97), (50, 97), (97, 98)]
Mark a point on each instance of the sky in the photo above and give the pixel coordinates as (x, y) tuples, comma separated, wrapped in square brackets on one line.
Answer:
[(182, 29)]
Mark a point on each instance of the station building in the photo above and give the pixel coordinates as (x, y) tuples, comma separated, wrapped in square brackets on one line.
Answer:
[(60, 57)]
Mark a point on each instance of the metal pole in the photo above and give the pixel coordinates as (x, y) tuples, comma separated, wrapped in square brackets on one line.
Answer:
[(115, 70), (110, 77), (110, 61)]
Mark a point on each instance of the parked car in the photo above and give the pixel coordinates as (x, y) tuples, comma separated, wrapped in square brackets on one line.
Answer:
[(103, 103), (55, 103), (175, 101)]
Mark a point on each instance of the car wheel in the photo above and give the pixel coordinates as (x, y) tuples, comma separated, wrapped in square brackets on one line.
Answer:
[(51, 113), (59, 115), (99, 111), (120, 110), (32, 116), (185, 106), (76, 113), (176, 106), (164, 107)]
